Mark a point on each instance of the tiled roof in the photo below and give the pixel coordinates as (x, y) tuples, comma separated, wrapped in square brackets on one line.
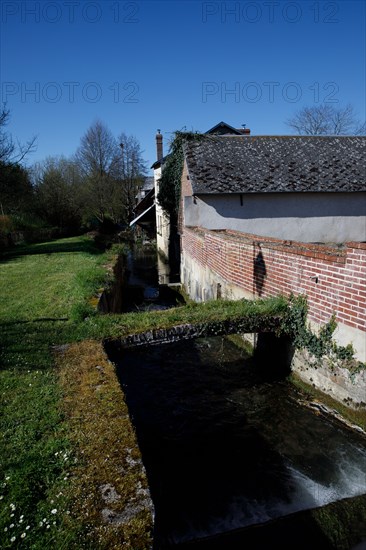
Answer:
[(272, 164)]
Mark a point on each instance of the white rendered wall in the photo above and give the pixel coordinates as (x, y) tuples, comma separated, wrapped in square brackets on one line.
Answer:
[(304, 217)]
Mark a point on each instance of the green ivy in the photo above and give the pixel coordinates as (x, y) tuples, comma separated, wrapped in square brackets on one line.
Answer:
[(170, 181), (319, 345)]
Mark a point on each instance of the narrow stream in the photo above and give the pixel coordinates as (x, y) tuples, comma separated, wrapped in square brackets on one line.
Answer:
[(227, 447), (150, 286), (224, 447)]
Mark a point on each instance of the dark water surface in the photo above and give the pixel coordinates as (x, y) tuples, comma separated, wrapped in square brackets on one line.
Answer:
[(225, 447), (148, 278)]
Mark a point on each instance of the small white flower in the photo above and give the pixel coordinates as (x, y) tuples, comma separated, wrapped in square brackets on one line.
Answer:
[(12, 539), (12, 515), (22, 516), (11, 526), (5, 530), (28, 527), (1, 497), (47, 527), (41, 523), (54, 511), (23, 535), (7, 478), (20, 520)]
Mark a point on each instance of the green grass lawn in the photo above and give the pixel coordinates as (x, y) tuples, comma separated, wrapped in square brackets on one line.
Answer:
[(40, 286)]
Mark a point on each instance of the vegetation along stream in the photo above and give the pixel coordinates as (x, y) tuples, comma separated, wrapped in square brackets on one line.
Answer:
[(229, 447)]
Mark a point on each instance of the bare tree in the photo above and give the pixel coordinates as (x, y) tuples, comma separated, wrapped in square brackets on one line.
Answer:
[(11, 152), (99, 159), (326, 119), (113, 171), (132, 171)]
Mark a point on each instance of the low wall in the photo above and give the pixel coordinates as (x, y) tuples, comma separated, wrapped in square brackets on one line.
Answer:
[(329, 378), (234, 265), (333, 380)]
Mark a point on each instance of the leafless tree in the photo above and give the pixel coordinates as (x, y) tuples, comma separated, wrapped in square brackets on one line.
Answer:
[(326, 119), (113, 170), (11, 152), (99, 159), (132, 171)]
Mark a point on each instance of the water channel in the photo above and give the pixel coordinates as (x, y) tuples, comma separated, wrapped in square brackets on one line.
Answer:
[(227, 447), (150, 283)]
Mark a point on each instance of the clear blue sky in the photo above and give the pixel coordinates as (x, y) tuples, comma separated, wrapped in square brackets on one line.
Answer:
[(143, 65)]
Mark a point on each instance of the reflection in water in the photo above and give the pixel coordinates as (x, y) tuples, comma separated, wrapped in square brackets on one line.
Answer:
[(148, 282), (223, 447)]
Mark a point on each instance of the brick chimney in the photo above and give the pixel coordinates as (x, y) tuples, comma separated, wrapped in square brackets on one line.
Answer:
[(243, 130), (159, 145)]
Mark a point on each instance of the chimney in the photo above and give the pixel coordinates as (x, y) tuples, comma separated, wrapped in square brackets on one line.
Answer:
[(159, 145), (243, 130)]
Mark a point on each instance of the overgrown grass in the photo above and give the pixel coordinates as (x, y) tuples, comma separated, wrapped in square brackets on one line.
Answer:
[(114, 326)]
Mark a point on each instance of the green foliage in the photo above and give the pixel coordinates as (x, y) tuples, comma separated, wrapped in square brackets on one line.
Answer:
[(170, 181), (119, 249), (319, 345), (6, 224), (16, 191)]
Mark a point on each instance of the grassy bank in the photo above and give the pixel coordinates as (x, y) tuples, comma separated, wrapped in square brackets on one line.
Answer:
[(41, 287), (57, 429), (70, 467)]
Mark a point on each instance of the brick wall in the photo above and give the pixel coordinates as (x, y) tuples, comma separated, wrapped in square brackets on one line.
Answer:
[(332, 277)]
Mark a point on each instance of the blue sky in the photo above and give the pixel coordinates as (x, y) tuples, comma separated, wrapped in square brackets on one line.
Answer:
[(143, 65)]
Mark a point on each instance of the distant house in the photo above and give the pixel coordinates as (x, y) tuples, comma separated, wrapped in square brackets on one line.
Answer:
[(162, 220), (145, 208), (145, 188), (164, 235)]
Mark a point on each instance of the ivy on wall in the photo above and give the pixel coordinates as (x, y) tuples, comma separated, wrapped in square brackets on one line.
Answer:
[(170, 181), (319, 345)]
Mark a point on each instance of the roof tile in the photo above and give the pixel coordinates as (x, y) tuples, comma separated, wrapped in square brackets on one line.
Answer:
[(274, 164)]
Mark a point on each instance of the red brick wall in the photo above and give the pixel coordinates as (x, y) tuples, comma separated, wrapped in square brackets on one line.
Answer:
[(268, 267)]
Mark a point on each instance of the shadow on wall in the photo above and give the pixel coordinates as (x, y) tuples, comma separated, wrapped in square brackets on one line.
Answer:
[(259, 272)]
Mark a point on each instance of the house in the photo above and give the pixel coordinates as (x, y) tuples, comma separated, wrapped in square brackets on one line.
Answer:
[(162, 220), (146, 187), (144, 210), (303, 188), (267, 215), (166, 240)]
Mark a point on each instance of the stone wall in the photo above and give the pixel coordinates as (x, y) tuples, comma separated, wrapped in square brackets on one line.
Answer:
[(331, 379)]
